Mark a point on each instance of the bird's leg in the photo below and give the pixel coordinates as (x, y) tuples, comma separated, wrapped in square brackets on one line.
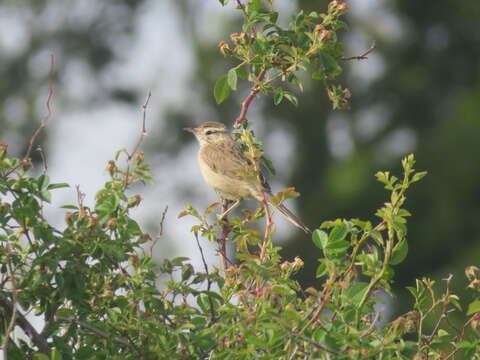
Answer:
[(228, 211)]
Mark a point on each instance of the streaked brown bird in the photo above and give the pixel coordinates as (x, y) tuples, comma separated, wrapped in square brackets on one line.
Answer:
[(221, 161)]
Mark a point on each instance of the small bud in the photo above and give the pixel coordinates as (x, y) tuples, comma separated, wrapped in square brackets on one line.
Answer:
[(134, 258), (27, 164), (138, 157), (145, 237), (472, 273), (112, 223), (319, 28), (343, 7), (111, 167), (3, 150), (325, 34), (475, 284), (224, 48), (69, 218), (297, 263), (92, 222), (347, 94), (134, 201)]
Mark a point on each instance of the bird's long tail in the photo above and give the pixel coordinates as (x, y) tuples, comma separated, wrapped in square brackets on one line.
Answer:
[(290, 216)]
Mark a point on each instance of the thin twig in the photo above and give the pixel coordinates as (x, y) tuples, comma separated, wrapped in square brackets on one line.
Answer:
[(316, 344), (143, 132), (162, 220), (13, 317), (43, 123), (94, 330), (28, 328), (209, 282), (363, 56), (246, 102)]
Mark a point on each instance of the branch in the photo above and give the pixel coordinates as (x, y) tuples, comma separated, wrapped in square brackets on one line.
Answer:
[(160, 233), (144, 130), (140, 139), (246, 103), (363, 56), (43, 123), (39, 341), (209, 282), (94, 330)]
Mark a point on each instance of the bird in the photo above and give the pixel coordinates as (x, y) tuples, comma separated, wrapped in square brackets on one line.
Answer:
[(222, 162)]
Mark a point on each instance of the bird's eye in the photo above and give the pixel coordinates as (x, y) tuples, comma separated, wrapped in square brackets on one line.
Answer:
[(209, 132)]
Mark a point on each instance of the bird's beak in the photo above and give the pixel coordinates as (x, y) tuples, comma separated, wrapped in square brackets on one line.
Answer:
[(192, 130)]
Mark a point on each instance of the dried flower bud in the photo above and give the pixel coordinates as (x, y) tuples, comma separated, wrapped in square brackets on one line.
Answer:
[(224, 48), (475, 284), (347, 94), (3, 150), (27, 164), (69, 218), (472, 273), (138, 157), (111, 167), (92, 222), (319, 27), (145, 237), (134, 200), (343, 7), (325, 34), (297, 263), (112, 223)]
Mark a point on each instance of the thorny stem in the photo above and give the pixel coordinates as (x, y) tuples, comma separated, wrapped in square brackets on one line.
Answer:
[(247, 101)]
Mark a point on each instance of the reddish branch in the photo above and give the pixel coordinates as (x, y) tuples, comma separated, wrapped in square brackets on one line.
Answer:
[(246, 103), (363, 56)]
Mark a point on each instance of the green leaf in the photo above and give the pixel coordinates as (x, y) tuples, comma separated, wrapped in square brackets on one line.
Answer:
[(338, 233), (321, 270), (232, 79), (399, 252), (473, 307), (222, 89), (320, 239), (56, 355), (356, 292), (278, 97), (290, 97), (73, 207), (57, 186), (332, 69), (41, 357), (255, 5), (45, 196), (43, 181), (282, 290)]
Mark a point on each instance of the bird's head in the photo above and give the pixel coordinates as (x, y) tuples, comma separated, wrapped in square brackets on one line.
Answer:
[(209, 132)]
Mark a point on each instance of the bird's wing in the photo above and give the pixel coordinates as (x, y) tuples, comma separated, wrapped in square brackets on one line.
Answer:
[(228, 159)]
